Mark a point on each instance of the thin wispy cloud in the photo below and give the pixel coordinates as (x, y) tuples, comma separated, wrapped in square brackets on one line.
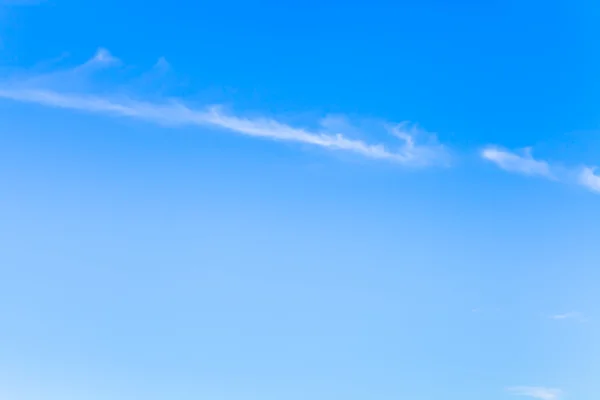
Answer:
[(47, 90), (536, 392), (589, 179), (522, 162), (519, 162), (574, 315), (102, 58), (162, 64)]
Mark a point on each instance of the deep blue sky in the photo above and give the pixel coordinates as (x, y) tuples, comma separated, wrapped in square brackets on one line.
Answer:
[(156, 253)]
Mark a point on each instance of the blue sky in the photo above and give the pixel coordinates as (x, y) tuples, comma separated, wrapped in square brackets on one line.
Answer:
[(274, 200)]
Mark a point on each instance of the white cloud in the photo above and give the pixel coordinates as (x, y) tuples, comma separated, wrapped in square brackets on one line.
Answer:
[(564, 316), (522, 163), (102, 58), (570, 315), (536, 392), (589, 179), (162, 64), (42, 90)]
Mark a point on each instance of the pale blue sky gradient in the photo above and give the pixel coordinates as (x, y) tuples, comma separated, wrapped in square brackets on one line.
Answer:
[(299, 241)]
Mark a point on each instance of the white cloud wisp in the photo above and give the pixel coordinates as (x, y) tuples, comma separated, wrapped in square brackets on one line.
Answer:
[(523, 163), (536, 392), (42, 90), (574, 315), (589, 179)]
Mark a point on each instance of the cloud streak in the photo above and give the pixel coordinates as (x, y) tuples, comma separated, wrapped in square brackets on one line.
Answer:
[(522, 162), (404, 144), (536, 392), (589, 179), (42, 90), (569, 316)]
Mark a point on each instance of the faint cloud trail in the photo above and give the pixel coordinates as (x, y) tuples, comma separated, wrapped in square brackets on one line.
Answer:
[(522, 162), (44, 89), (536, 392)]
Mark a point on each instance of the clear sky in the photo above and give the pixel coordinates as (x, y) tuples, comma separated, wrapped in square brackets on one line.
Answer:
[(284, 200)]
